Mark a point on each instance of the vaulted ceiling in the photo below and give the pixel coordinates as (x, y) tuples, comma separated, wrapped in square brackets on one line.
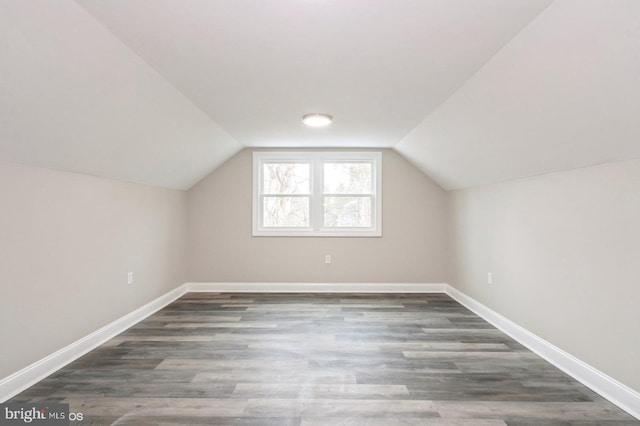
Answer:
[(472, 92)]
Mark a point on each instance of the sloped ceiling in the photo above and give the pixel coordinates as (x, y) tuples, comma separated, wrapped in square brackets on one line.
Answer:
[(563, 94), (73, 98), (378, 66), (472, 92)]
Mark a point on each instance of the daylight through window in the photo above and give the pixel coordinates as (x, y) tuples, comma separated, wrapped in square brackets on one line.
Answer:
[(317, 194)]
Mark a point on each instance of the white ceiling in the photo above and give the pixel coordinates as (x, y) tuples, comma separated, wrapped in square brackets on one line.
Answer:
[(472, 92), (378, 66), (563, 94), (72, 97)]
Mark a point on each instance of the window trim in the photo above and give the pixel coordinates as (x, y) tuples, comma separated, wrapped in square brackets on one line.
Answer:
[(317, 159)]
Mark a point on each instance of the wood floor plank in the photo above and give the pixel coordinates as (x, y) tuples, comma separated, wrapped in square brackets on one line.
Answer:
[(340, 408), (594, 411), (158, 407), (398, 421), (315, 390), (279, 376), (320, 359)]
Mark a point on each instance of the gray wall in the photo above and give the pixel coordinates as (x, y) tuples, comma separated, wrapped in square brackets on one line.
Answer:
[(564, 250), (67, 242), (221, 248)]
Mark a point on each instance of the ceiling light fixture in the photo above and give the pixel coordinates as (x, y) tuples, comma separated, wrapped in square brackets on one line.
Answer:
[(317, 120)]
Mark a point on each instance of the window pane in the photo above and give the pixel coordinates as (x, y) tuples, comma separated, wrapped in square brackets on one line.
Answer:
[(348, 178), (286, 178), (347, 212), (285, 212)]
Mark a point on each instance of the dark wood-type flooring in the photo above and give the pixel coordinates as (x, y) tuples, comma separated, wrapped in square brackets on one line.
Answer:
[(320, 359)]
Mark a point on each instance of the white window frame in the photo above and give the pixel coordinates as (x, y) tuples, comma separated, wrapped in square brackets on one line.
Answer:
[(317, 159)]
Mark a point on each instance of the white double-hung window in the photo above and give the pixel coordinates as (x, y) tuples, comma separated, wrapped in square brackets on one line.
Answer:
[(317, 194)]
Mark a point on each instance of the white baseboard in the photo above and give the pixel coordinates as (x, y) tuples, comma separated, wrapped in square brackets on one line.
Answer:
[(317, 287), (30, 375), (609, 388), (616, 392)]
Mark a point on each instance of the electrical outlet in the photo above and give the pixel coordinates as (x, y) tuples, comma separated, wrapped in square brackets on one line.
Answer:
[(489, 277), (327, 258), (130, 278)]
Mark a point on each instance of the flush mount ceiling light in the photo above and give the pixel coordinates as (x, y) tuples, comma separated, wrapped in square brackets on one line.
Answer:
[(317, 120)]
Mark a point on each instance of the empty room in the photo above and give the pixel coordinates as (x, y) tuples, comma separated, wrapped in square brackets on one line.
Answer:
[(320, 212)]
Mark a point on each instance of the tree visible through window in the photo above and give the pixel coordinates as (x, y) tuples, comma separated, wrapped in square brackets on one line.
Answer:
[(287, 192), (317, 193), (347, 192)]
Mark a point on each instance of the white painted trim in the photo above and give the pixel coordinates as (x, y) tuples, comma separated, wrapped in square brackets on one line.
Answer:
[(30, 375), (317, 287), (616, 392), (316, 159), (609, 388)]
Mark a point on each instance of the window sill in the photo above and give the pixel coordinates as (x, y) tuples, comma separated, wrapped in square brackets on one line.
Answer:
[(320, 234)]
